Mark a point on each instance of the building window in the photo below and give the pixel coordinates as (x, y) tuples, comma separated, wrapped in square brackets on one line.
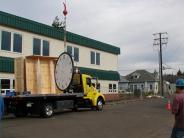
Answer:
[(17, 43), (110, 87), (69, 50), (114, 87), (11, 42), (135, 87), (5, 84), (92, 57), (40, 47), (74, 52), (131, 88), (45, 50), (6, 41), (151, 87), (36, 46), (95, 58)]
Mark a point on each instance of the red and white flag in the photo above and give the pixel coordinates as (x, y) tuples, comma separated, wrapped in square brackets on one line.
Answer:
[(65, 12)]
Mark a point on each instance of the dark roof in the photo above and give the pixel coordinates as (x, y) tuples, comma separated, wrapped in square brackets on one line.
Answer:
[(143, 76), (24, 24)]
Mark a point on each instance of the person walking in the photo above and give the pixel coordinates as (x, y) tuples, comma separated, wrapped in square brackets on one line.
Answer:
[(178, 110)]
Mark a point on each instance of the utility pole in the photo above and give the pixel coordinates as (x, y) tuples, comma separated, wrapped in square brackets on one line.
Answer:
[(160, 40)]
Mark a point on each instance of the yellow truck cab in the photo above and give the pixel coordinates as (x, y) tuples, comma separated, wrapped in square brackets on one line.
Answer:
[(83, 83)]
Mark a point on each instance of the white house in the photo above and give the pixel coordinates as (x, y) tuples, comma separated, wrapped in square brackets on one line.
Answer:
[(140, 80), (20, 37)]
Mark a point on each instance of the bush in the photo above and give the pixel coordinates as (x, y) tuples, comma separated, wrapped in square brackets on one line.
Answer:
[(137, 93), (148, 93)]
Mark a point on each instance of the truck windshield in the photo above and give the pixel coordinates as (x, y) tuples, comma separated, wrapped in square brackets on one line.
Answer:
[(77, 84), (76, 79)]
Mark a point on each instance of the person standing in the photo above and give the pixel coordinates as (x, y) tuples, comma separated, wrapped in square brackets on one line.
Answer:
[(178, 110), (1, 106), (1, 113)]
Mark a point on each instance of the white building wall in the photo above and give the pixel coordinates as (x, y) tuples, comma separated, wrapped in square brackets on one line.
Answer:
[(105, 87), (108, 61)]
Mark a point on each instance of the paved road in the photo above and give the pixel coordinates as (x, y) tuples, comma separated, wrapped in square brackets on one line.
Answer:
[(148, 119)]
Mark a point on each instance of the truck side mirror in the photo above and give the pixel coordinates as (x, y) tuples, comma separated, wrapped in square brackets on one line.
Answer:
[(98, 86)]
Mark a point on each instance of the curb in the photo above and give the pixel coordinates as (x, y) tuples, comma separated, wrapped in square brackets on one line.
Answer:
[(125, 101)]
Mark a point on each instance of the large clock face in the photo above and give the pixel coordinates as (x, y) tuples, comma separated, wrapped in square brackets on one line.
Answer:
[(64, 71)]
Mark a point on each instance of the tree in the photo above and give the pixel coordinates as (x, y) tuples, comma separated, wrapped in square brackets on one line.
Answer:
[(57, 23), (179, 73)]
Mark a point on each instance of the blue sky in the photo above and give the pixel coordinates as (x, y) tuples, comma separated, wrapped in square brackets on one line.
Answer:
[(128, 24)]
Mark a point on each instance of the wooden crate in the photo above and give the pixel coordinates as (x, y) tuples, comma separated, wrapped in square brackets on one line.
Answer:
[(39, 75)]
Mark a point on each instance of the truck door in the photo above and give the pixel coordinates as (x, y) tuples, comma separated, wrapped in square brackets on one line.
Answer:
[(88, 86)]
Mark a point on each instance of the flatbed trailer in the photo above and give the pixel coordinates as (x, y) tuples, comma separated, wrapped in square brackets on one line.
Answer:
[(44, 105)]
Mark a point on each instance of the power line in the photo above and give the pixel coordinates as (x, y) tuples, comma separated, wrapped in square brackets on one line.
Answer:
[(160, 40)]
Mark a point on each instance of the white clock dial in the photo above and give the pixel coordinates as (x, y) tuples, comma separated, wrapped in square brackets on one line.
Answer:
[(64, 71)]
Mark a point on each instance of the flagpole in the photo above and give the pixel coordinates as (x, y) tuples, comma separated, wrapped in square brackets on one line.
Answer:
[(65, 32)]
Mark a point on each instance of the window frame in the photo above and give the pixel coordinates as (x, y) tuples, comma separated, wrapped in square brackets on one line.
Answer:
[(114, 88), (44, 46), (12, 41), (110, 87), (40, 50), (76, 59), (91, 56), (72, 48), (95, 58), (41, 45)]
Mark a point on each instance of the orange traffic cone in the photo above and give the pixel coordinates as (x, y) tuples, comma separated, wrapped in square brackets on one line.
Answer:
[(168, 106)]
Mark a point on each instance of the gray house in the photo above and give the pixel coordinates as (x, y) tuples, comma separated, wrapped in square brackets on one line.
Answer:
[(141, 80)]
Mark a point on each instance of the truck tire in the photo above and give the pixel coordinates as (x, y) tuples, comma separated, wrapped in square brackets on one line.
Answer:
[(99, 106), (47, 110)]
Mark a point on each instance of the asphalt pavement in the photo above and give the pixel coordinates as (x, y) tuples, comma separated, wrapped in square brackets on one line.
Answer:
[(139, 119)]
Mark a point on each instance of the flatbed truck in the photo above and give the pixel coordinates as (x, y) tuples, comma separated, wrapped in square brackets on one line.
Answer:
[(79, 92)]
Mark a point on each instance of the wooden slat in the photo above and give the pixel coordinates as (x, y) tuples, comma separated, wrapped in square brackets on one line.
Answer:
[(52, 79), (19, 74)]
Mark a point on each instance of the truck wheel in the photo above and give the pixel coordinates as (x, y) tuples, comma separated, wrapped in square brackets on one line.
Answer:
[(47, 110), (99, 106)]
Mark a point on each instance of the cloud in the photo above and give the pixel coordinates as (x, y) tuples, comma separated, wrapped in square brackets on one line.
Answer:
[(128, 24)]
